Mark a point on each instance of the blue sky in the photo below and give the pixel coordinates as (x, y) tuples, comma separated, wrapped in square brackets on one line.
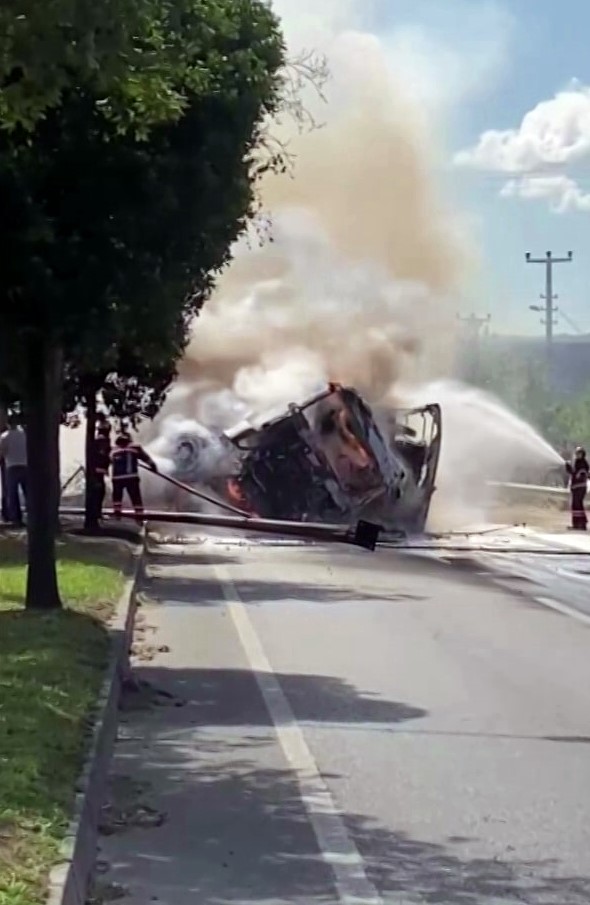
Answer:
[(496, 61)]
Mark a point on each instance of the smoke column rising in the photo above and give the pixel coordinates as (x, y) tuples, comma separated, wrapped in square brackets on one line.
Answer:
[(360, 280), (353, 285)]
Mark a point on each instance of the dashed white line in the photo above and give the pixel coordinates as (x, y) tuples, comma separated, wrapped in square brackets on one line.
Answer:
[(334, 842), (533, 575)]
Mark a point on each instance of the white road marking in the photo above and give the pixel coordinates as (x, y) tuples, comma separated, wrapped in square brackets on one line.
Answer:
[(438, 555), (574, 543), (239, 540), (564, 608), (336, 847), (575, 576)]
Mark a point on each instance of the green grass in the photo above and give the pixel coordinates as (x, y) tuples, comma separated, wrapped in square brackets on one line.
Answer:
[(51, 669)]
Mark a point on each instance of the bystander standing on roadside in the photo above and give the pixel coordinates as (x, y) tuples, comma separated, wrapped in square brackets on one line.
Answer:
[(13, 452)]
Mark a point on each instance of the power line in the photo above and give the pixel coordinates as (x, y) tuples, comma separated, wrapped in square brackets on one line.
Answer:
[(571, 322)]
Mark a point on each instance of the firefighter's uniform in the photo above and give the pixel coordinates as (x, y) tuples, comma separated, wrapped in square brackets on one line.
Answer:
[(102, 459), (579, 474), (125, 459)]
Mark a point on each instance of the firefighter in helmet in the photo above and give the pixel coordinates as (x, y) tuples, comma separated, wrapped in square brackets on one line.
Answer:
[(579, 471), (125, 459), (100, 467)]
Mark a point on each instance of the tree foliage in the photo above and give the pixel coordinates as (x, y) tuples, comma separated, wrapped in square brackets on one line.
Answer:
[(96, 221), (523, 385), (127, 165), (142, 61)]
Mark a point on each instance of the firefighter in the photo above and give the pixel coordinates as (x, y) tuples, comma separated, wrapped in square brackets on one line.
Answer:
[(103, 424), (125, 459), (102, 461), (578, 471)]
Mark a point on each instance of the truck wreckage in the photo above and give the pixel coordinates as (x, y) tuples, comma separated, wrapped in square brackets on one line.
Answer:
[(330, 459)]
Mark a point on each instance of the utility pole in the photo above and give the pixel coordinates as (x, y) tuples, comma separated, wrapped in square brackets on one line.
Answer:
[(549, 297), (473, 331), (474, 324)]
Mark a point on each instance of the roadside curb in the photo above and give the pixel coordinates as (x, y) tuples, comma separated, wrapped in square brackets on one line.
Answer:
[(69, 880)]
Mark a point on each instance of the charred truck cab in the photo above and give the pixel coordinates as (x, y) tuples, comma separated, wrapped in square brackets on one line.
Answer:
[(331, 459)]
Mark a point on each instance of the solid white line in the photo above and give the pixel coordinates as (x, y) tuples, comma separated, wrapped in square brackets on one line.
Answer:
[(336, 847), (568, 542), (575, 576), (564, 608)]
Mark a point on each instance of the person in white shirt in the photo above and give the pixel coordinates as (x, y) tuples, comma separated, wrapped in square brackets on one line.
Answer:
[(13, 451)]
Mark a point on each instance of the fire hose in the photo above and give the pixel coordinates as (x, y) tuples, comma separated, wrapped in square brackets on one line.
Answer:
[(79, 470), (322, 531), (197, 493), (363, 534)]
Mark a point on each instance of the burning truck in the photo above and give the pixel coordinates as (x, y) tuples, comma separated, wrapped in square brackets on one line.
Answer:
[(329, 459)]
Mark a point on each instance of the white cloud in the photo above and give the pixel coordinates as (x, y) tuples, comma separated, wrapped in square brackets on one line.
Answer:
[(562, 192), (555, 132), (552, 136)]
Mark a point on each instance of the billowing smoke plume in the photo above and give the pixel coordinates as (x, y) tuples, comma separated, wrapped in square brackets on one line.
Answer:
[(359, 259), (358, 277), (359, 271)]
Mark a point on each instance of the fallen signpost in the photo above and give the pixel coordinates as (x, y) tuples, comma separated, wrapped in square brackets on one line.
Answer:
[(363, 534)]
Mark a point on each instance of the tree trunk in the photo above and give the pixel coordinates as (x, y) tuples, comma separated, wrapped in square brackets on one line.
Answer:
[(90, 513), (42, 403), (3, 494), (56, 441)]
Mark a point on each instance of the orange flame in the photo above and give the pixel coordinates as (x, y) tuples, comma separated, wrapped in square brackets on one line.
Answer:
[(237, 497), (361, 458)]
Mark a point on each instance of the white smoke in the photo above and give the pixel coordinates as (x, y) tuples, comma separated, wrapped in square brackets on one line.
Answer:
[(363, 261), (362, 257), (482, 441)]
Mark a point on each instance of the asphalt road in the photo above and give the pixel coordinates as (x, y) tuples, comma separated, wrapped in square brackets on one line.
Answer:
[(339, 726)]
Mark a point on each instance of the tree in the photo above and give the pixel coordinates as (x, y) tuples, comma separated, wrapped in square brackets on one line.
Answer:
[(132, 375), (120, 191), (523, 384), (571, 421), (119, 50)]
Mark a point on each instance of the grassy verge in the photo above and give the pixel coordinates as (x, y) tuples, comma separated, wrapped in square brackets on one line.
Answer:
[(51, 669)]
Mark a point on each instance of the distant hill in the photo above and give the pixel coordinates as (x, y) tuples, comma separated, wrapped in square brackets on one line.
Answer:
[(570, 371)]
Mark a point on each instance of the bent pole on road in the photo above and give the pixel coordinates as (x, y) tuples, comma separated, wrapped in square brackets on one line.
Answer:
[(364, 534), (197, 493)]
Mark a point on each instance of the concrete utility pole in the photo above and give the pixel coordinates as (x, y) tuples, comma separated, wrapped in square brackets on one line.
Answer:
[(473, 331), (549, 297), (474, 324)]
